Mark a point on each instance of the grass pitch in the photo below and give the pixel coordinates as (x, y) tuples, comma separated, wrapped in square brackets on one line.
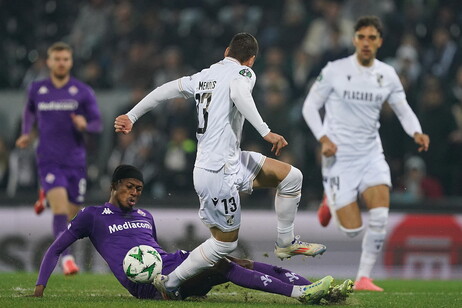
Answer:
[(103, 290)]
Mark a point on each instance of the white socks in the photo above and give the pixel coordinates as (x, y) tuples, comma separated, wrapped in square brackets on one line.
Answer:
[(204, 256), (373, 240), (286, 205)]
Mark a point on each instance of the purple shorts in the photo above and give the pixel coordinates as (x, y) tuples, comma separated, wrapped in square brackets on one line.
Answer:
[(173, 260), (72, 179)]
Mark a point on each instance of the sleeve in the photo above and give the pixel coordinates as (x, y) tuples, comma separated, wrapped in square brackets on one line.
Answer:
[(29, 114), (52, 255), (315, 100), (82, 224), (407, 118), (93, 114), (400, 106), (240, 90), (162, 93)]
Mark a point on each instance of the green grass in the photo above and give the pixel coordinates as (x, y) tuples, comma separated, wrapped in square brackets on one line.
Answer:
[(87, 290)]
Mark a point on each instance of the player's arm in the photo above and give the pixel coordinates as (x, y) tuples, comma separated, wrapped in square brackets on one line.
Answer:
[(411, 124), (124, 123), (240, 94), (313, 103), (50, 259), (28, 120), (90, 121)]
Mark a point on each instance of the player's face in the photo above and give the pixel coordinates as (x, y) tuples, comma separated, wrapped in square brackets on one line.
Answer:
[(127, 193), (367, 41), (60, 63)]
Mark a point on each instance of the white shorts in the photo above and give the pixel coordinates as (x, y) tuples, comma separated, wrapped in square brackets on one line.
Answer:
[(220, 205), (344, 179)]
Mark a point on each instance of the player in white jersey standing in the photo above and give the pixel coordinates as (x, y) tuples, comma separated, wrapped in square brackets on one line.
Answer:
[(353, 90), (223, 97)]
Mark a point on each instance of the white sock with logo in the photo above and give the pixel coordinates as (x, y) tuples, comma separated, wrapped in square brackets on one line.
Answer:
[(286, 205), (372, 241)]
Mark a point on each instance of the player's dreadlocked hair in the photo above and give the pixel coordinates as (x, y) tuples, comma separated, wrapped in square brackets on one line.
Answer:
[(243, 46), (366, 21)]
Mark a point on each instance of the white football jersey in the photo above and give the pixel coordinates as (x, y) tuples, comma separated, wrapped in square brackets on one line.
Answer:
[(219, 121), (353, 97)]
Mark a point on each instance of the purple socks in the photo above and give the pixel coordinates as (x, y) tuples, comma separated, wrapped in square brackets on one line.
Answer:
[(59, 225)]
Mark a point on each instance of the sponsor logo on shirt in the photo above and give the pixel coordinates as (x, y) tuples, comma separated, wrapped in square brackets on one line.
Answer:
[(43, 90), (58, 105), (362, 96), (107, 211), (137, 224)]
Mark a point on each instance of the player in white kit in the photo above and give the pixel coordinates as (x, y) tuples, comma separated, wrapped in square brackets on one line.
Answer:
[(223, 97), (353, 90)]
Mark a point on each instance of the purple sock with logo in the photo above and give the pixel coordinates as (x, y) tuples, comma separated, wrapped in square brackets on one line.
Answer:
[(59, 225), (281, 273), (258, 281)]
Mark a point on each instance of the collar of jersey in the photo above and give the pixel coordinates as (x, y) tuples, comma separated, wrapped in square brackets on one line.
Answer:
[(363, 69), (232, 60), (115, 208)]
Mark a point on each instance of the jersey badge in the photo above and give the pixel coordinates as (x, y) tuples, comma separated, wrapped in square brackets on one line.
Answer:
[(246, 73), (50, 178), (107, 211), (141, 212), (230, 220), (43, 90), (73, 90), (379, 79), (319, 78)]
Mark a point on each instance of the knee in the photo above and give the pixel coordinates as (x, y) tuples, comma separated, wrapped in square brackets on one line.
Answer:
[(378, 218), (222, 249), (351, 232), (292, 183)]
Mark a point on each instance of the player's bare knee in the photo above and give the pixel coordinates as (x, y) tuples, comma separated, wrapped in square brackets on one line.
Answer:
[(352, 232), (292, 183), (378, 218)]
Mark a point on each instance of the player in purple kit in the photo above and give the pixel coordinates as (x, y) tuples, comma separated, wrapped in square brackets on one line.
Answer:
[(116, 227), (64, 109)]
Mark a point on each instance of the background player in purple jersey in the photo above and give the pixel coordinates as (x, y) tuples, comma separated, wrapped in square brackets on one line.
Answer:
[(115, 227), (64, 109)]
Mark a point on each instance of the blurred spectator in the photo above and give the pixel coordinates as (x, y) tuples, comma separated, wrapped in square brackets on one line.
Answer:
[(318, 37), (179, 161), (171, 67), (439, 123), (38, 70), (442, 55), (90, 28), (416, 185)]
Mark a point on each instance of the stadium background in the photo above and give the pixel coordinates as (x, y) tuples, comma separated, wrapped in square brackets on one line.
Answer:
[(124, 49)]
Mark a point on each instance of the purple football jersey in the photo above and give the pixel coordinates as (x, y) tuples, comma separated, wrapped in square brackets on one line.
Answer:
[(59, 141), (113, 232)]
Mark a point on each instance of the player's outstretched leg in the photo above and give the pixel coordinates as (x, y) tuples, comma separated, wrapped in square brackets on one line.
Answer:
[(340, 292), (298, 247), (313, 293), (159, 283), (324, 214)]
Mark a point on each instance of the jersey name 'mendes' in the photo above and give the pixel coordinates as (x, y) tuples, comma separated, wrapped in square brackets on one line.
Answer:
[(130, 225), (358, 95), (206, 85)]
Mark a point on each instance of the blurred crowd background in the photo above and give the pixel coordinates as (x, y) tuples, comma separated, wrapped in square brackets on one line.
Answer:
[(135, 46)]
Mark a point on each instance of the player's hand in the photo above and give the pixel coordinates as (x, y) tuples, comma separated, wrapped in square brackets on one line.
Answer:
[(328, 148), (23, 141), (80, 123), (122, 124), (38, 292), (277, 141), (423, 141)]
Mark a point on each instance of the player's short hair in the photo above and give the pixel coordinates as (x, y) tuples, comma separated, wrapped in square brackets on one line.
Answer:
[(126, 172), (243, 46), (59, 46), (371, 20)]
